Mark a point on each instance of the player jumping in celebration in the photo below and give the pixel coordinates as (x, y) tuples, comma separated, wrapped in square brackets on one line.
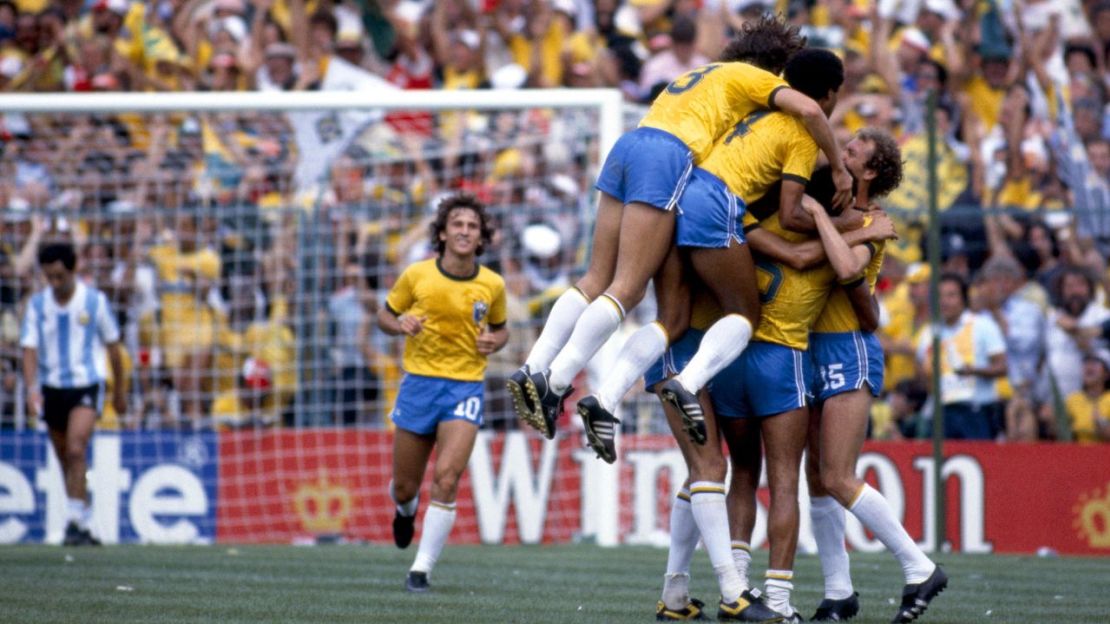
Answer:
[(452, 312), (640, 183), (849, 360), (66, 327)]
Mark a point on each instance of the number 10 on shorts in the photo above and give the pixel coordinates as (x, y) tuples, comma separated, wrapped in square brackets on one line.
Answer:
[(470, 408), (832, 377)]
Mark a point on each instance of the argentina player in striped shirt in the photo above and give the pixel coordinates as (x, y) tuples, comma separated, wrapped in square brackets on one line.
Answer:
[(66, 328)]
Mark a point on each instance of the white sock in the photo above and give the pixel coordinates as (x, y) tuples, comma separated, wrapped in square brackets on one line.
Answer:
[(723, 342), (777, 587), (707, 501), (742, 559), (557, 328), (828, 529), (597, 323), (75, 511), (684, 540), (438, 521), (873, 511), (642, 348), (407, 508)]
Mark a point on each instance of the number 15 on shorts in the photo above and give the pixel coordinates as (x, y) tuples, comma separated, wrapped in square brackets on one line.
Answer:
[(832, 376), (469, 408)]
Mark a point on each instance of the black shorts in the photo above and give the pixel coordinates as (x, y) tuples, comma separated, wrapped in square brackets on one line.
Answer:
[(57, 403)]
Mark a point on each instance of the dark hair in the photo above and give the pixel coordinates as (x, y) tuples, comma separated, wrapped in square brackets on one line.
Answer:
[(1065, 271), (58, 252), (957, 279), (443, 212), (1078, 48), (885, 161), (684, 30), (325, 18), (815, 72), (942, 72), (768, 43)]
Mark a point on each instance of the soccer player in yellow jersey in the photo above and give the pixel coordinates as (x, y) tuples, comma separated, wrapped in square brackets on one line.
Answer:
[(452, 312), (849, 360), (640, 183)]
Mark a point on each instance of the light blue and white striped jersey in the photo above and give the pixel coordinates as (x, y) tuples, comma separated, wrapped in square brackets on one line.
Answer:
[(70, 339)]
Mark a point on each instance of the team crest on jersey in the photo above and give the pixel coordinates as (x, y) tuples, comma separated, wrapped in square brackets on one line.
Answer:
[(83, 318), (480, 310)]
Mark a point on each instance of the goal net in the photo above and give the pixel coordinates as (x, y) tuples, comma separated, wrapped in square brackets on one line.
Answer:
[(245, 243)]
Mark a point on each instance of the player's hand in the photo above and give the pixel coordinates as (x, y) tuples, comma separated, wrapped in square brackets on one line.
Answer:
[(882, 227), (34, 404), (842, 200), (487, 344), (848, 220), (412, 325), (811, 206), (119, 402)]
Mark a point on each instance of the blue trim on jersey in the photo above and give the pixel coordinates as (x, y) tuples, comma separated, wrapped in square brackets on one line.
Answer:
[(845, 361), (423, 402), (710, 215), (674, 359), (64, 369), (648, 166), (39, 302), (92, 304)]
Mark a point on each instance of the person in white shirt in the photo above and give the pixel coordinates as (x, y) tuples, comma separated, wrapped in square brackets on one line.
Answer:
[(66, 328)]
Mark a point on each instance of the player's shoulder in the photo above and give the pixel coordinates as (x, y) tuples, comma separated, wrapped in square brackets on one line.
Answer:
[(421, 268), (488, 276)]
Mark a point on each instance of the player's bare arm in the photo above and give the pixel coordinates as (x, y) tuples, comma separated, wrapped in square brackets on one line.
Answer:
[(119, 393), (492, 341), (847, 262), (34, 395), (400, 324), (817, 123)]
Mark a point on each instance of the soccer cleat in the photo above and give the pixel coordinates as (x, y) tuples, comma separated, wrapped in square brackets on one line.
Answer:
[(748, 608), (546, 402), (417, 582), (518, 389), (688, 406), (793, 618), (838, 610), (403, 528), (916, 597), (692, 611), (76, 536), (601, 428)]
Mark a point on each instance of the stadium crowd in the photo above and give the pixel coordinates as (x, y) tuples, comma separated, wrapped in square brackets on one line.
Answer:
[(230, 226)]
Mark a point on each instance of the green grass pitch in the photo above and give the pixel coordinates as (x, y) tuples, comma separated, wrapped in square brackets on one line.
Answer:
[(504, 584)]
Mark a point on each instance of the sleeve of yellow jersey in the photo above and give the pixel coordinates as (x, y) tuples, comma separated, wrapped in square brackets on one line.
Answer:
[(400, 297), (750, 83), (498, 313), (801, 155)]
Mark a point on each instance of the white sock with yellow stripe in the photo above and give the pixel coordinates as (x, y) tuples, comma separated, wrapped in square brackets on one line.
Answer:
[(777, 588), (707, 501), (722, 343), (742, 559), (597, 323), (874, 513), (557, 328), (642, 348), (828, 517), (684, 540), (438, 521)]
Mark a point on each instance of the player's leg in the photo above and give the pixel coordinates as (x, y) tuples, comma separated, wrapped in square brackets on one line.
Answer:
[(730, 274), (784, 435), (79, 430), (645, 346), (676, 603), (745, 454), (841, 441), (567, 309), (454, 443), (827, 515), (411, 451)]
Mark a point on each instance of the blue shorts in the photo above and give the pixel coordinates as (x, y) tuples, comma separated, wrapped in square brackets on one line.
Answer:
[(766, 379), (647, 165), (675, 359), (709, 215), (844, 361), (424, 402)]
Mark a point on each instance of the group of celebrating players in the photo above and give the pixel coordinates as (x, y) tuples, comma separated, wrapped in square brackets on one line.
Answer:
[(764, 268)]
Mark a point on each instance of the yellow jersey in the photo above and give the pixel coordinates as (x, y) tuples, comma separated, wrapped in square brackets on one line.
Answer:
[(177, 275), (792, 300), (457, 310), (838, 315), (760, 150), (1081, 412), (704, 103)]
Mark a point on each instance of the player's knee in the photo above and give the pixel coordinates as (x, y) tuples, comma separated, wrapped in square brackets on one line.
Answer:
[(75, 455), (593, 283), (404, 491), (446, 484), (841, 486)]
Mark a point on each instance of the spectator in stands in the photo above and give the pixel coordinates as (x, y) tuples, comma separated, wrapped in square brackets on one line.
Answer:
[(1071, 328), (350, 310), (972, 358), (671, 62), (1088, 409)]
